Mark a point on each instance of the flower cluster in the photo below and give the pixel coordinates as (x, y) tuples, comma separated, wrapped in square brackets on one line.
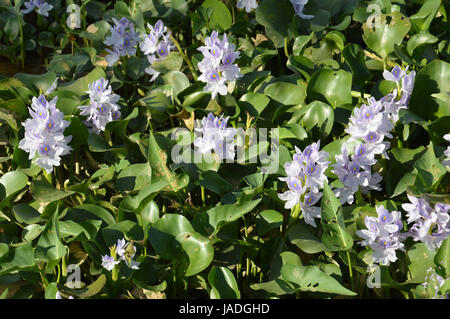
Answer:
[(44, 134), (399, 99), (123, 40), (103, 107), (121, 251), (218, 64), (430, 226), (248, 5), (355, 172), (41, 7), (383, 235), (305, 178), (299, 6), (215, 135), (156, 45), (370, 124)]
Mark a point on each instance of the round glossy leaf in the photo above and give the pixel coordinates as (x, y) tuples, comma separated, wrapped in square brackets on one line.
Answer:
[(275, 14), (286, 93), (134, 177), (332, 87), (382, 39), (223, 284), (432, 79), (11, 183), (221, 17)]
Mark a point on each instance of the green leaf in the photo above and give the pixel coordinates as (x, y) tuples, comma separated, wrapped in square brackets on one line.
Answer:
[(286, 93), (51, 290), (148, 211), (17, 258), (268, 220), (99, 145), (134, 177), (355, 58), (11, 183), (418, 40), (172, 62), (420, 260), (157, 104), (317, 117), (442, 258), (158, 162), (43, 191), (383, 38), (86, 212), (49, 247), (117, 231), (80, 86), (221, 17), (431, 79), (212, 220), (26, 214), (223, 284), (275, 14), (41, 82), (332, 87), (302, 235), (96, 31), (311, 278), (214, 182), (429, 169), (335, 237), (253, 103), (173, 230), (421, 20)]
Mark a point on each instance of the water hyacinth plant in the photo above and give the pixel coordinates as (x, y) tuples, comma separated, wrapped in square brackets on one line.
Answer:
[(215, 149)]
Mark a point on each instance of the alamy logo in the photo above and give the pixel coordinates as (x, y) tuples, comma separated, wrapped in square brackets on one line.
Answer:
[(73, 20)]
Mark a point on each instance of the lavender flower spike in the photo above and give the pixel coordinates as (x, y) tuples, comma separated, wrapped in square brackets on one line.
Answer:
[(44, 134), (383, 235)]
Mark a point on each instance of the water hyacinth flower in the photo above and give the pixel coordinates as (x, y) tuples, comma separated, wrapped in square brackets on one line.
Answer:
[(123, 250), (109, 262), (248, 5), (370, 124), (214, 135), (156, 45), (299, 6), (305, 174), (399, 98), (431, 226), (103, 107), (383, 235), (123, 40), (218, 65), (44, 134), (40, 6), (395, 75), (351, 173)]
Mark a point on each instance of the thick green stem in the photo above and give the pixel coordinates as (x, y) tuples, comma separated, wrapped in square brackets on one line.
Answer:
[(203, 196), (350, 270), (286, 51)]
